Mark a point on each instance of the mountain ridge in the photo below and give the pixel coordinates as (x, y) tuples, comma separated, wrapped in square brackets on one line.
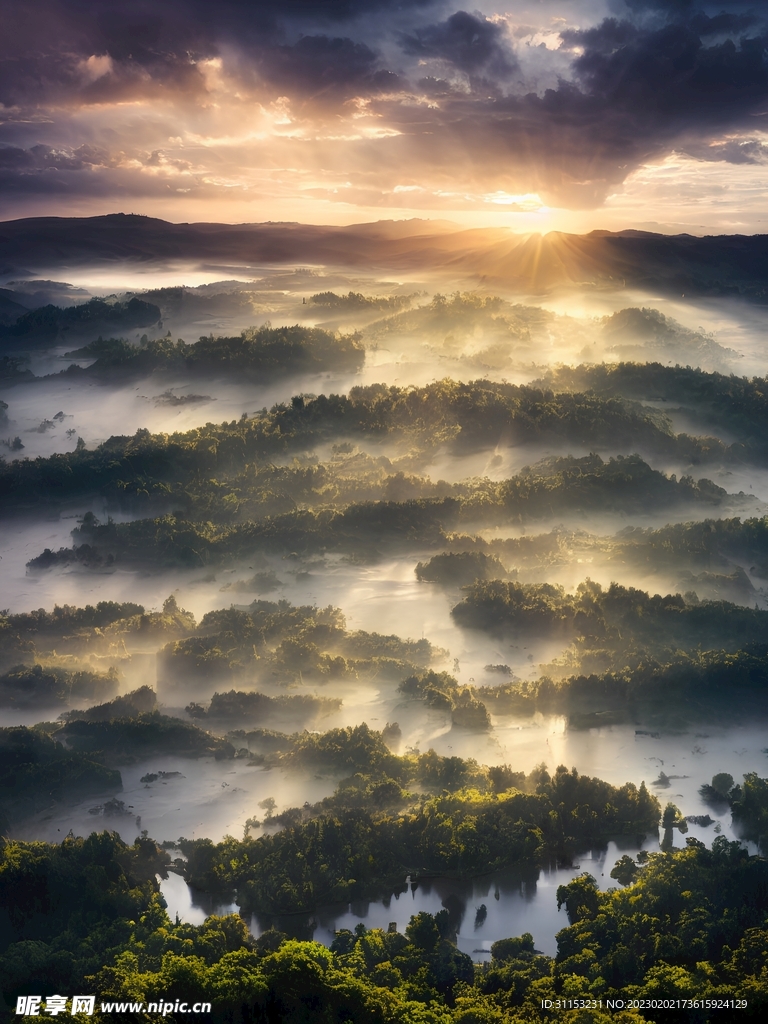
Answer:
[(715, 265)]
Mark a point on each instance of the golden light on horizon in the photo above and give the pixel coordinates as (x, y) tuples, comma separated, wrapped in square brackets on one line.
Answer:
[(556, 119)]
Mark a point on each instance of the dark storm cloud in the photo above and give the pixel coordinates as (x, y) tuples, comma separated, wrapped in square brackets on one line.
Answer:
[(636, 92), (471, 43), (670, 76), (658, 78), (337, 10), (332, 10), (319, 65), (45, 41), (45, 158), (46, 45), (49, 158), (678, 8), (723, 24), (667, 6), (66, 172)]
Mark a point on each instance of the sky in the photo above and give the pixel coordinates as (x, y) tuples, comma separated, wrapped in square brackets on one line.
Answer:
[(535, 115)]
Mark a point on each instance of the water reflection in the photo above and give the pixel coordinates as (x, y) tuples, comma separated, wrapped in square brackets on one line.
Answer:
[(192, 906), (516, 900)]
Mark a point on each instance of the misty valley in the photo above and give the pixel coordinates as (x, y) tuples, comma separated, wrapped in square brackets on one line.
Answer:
[(395, 641)]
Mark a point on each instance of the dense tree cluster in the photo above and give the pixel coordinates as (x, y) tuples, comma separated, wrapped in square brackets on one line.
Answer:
[(45, 324), (738, 405), (555, 487), (237, 706), (146, 734), (356, 301), (708, 684), (348, 475), (693, 926), (43, 636), (283, 643), (36, 770), (622, 622), (256, 353), (456, 569), (36, 686), (441, 690), (466, 416), (352, 850), (688, 924)]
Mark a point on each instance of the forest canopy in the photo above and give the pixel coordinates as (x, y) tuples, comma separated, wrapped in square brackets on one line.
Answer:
[(363, 649)]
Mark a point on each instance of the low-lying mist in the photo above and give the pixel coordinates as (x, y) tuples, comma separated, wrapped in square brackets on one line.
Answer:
[(292, 548)]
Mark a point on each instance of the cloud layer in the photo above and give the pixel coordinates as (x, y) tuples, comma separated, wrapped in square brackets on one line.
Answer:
[(415, 104)]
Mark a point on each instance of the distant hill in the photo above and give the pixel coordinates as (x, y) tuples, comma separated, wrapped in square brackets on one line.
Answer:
[(10, 308), (717, 265)]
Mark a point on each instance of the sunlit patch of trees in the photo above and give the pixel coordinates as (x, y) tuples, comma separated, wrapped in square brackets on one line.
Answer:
[(466, 416), (352, 850), (241, 706), (642, 685), (617, 619), (554, 487), (706, 684), (46, 686), (691, 925), (256, 353), (456, 569), (738, 405), (72, 632), (357, 302), (708, 553), (440, 690), (281, 642)]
